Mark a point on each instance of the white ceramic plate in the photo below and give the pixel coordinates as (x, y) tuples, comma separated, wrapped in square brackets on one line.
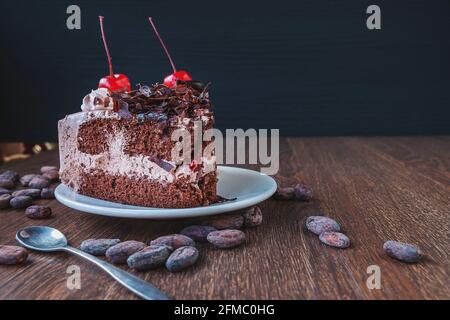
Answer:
[(247, 186)]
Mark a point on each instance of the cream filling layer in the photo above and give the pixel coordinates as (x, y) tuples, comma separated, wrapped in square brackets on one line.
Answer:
[(114, 161)]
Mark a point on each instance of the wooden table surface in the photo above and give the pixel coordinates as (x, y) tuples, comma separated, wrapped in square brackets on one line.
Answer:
[(378, 188)]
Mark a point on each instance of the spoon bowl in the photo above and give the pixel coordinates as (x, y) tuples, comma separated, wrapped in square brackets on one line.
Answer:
[(42, 238)]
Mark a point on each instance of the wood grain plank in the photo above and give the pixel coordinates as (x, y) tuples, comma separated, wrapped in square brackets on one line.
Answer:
[(376, 198), (378, 188), (430, 157)]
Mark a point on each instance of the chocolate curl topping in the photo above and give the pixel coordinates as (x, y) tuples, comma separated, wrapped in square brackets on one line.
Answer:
[(181, 100)]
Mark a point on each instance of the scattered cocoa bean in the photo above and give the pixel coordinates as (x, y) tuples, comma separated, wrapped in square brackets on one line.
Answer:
[(48, 193), (320, 224), (286, 193), (21, 202), (302, 192), (335, 239), (51, 175), (226, 221), (253, 217), (174, 241), (25, 180), (11, 175), (39, 182), (197, 233), (45, 169), (34, 193), (12, 254), (182, 258), (5, 199), (6, 182), (98, 247), (298, 192), (120, 252), (38, 212), (150, 257), (226, 238), (402, 251), (5, 191)]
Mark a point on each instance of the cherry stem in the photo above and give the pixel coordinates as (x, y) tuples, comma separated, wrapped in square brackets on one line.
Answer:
[(162, 43), (111, 73)]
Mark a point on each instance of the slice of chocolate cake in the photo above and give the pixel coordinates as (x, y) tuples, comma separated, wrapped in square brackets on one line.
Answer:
[(120, 147)]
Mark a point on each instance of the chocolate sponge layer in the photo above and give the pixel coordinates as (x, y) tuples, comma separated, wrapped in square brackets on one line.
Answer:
[(146, 138), (147, 193)]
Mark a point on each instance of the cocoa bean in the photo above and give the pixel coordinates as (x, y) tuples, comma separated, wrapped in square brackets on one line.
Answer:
[(5, 199), (320, 224), (7, 182), (182, 258), (25, 180), (51, 175), (120, 252), (38, 212), (34, 193), (39, 182), (48, 193), (402, 251), (45, 169), (253, 217), (224, 239), (98, 247), (5, 191), (226, 221), (197, 233), (174, 241), (12, 254), (286, 193), (21, 202), (298, 192), (302, 192), (335, 239), (150, 257), (10, 175)]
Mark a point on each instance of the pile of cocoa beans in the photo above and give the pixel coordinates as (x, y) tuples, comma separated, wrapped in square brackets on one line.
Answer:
[(177, 251), (21, 192)]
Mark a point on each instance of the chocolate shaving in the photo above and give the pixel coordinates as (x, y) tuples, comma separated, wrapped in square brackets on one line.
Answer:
[(197, 85), (161, 100), (221, 199), (161, 163)]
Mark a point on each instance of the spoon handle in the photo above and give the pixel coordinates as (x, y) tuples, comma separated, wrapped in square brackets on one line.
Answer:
[(140, 287)]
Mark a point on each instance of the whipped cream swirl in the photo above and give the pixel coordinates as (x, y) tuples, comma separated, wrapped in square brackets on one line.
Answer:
[(99, 99)]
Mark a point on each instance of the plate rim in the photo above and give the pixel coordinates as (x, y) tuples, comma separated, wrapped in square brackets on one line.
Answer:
[(169, 213)]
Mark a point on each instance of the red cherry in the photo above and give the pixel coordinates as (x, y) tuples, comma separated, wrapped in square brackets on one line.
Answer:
[(170, 80), (113, 82), (117, 82)]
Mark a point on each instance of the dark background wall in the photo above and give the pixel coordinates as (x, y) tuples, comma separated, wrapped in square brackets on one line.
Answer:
[(306, 67)]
